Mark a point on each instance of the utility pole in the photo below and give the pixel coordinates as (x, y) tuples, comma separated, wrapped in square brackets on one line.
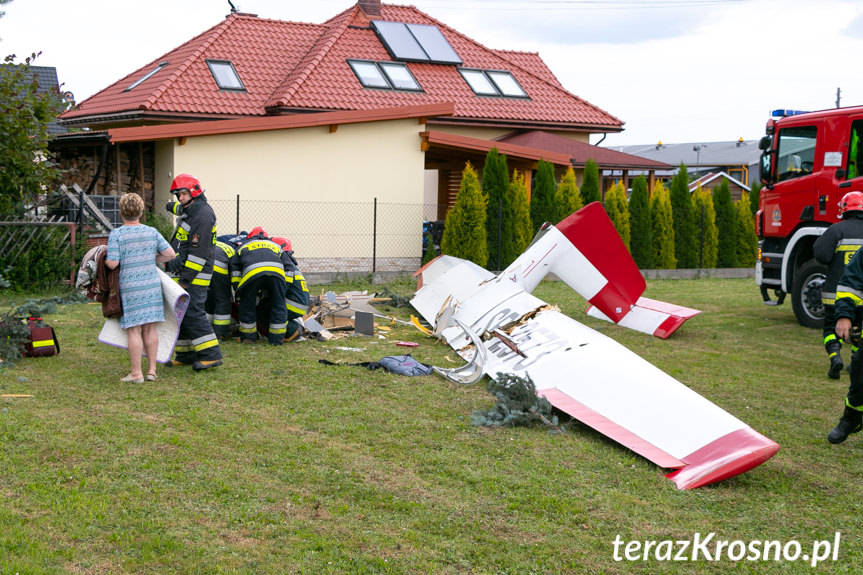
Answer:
[(838, 96)]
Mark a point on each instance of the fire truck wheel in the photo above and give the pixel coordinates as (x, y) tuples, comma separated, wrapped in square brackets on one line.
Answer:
[(806, 294)]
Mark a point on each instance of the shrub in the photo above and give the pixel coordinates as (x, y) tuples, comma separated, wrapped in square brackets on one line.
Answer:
[(567, 199), (663, 229), (640, 228), (726, 247), (495, 187), (684, 221), (522, 229), (542, 198), (618, 211), (705, 219), (590, 184), (747, 242), (464, 227)]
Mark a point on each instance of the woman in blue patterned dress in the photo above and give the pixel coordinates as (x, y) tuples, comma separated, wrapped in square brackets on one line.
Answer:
[(137, 248)]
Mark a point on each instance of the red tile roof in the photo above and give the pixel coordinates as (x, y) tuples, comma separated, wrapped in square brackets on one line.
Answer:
[(580, 152), (290, 67)]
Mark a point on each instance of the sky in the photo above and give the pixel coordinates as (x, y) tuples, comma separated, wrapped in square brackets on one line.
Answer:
[(674, 71)]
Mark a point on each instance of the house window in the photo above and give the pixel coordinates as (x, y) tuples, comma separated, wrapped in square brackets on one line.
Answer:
[(149, 74), (415, 42), (225, 75), (384, 75), (492, 83)]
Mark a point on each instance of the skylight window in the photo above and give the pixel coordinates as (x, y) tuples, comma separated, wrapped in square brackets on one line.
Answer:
[(149, 74), (415, 42), (384, 75), (507, 85), (225, 75), (492, 83)]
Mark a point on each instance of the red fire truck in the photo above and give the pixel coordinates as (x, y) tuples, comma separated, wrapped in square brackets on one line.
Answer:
[(809, 161)]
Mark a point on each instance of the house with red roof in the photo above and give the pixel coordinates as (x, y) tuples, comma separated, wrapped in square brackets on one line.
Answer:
[(380, 102)]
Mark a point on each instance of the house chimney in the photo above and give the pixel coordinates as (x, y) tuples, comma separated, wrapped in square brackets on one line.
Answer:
[(370, 7)]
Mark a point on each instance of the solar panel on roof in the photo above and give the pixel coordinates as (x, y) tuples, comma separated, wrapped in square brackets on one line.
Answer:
[(399, 41), (435, 45), (415, 42)]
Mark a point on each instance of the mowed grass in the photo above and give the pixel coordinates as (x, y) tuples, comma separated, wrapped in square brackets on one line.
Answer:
[(275, 463)]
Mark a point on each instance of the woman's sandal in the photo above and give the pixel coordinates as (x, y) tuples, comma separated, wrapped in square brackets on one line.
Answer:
[(152, 377), (130, 379)]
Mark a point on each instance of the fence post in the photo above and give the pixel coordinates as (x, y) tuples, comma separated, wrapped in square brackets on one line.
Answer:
[(81, 213), (238, 214), (375, 237)]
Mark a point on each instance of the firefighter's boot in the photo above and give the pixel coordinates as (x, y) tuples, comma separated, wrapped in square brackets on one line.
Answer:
[(836, 365), (851, 422)]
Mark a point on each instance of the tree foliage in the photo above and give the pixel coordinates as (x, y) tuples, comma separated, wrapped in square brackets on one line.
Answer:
[(542, 198), (464, 227), (590, 184), (618, 211), (705, 217), (684, 222), (726, 248), (663, 229), (26, 168), (522, 229), (747, 242), (495, 187), (641, 230), (567, 199), (755, 198)]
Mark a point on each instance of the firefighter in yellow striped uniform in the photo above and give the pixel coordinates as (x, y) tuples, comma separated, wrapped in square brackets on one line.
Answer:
[(193, 241), (221, 293), (297, 292), (257, 268)]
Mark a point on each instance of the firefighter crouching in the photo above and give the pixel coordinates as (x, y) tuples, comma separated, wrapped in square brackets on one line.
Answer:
[(257, 267), (220, 296), (297, 292), (193, 241), (835, 248)]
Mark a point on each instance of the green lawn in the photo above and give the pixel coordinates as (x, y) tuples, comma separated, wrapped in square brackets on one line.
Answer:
[(275, 463)]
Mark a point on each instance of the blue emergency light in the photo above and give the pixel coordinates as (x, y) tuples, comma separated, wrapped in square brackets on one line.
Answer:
[(783, 112)]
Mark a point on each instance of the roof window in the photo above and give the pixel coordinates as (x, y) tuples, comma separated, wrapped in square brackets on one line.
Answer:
[(384, 75), (225, 75), (137, 82), (492, 83), (415, 42)]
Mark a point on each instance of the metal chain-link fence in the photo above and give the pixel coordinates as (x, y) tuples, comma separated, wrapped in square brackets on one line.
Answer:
[(345, 237)]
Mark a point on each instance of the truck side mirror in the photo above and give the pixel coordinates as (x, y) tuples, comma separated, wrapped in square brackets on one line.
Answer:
[(764, 143)]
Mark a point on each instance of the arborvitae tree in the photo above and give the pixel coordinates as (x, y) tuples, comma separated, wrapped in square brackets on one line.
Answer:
[(705, 220), (684, 222), (430, 252), (567, 199), (726, 248), (663, 229), (618, 210), (498, 223), (522, 229), (747, 242), (641, 230), (755, 198), (590, 184), (464, 227), (542, 199)]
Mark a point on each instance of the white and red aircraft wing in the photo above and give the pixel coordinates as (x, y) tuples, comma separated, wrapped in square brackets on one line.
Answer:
[(502, 328)]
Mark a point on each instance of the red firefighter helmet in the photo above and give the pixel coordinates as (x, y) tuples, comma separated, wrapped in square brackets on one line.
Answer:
[(187, 183), (258, 230), (852, 201), (284, 242)]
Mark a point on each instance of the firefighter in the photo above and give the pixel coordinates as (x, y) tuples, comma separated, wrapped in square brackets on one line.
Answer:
[(834, 248), (297, 292), (193, 241), (257, 269), (220, 296)]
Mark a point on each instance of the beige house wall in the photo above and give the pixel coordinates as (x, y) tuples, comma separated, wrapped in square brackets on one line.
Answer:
[(313, 186)]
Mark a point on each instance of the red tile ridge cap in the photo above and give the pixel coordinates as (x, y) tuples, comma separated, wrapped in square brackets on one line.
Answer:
[(214, 33), (335, 33), (267, 123)]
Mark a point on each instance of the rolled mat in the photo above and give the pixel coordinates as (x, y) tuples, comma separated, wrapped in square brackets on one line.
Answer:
[(175, 300)]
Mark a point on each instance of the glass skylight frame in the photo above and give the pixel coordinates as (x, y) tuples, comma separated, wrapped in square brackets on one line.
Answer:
[(386, 75), (145, 77), (220, 67), (493, 83)]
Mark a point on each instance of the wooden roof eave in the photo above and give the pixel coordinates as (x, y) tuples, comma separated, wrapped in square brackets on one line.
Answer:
[(432, 139)]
